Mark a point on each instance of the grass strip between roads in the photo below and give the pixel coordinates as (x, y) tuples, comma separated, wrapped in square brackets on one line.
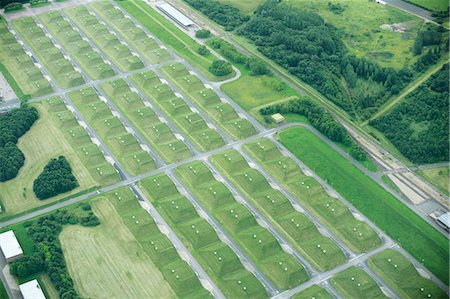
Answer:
[(414, 234)]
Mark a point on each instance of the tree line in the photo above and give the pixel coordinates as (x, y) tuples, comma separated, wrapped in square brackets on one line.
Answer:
[(256, 66), (223, 14), (419, 126), (13, 125), (314, 51), (47, 255), (320, 119), (56, 178)]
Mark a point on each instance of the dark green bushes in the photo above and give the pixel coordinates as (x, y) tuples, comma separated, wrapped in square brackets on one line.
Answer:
[(256, 66), (223, 14), (220, 68), (56, 178), (202, 33), (13, 125)]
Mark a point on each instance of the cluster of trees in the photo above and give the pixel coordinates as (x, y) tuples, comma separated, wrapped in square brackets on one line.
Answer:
[(313, 50), (14, 6), (419, 126), (256, 66), (13, 125), (47, 255), (336, 8), (56, 178), (320, 119), (223, 14), (220, 68), (202, 33), (4, 3)]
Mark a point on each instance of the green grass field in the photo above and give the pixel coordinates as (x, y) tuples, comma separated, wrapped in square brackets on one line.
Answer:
[(363, 31), (259, 244), (400, 275), (357, 235), (418, 237), (245, 6), (189, 122), (60, 68), (89, 60), (123, 145), (313, 292), (434, 5), (156, 132), (171, 36), (206, 99), (439, 177), (134, 35), (126, 256), (55, 133), (320, 251), (18, 67), (106, 41), (218, 260), (355, 283)]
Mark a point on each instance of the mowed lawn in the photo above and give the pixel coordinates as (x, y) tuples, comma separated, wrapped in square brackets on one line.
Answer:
[(361, 24), (108, 262), (415, 235), (41, 143), (436, 5)]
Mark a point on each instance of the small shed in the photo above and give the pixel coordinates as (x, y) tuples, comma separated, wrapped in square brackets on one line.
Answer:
[(31, 290), (277, 118), (10, 246), (444, 221)]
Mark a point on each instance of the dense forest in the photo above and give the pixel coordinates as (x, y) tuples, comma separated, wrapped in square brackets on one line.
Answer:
[(223, 14), (13, 125), (320, 119), (419, 126), (47, 255), (313, 50), (56, 178)]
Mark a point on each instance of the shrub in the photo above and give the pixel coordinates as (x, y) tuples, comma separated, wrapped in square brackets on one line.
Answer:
[(202, 33), (221, 68), (202, 50)]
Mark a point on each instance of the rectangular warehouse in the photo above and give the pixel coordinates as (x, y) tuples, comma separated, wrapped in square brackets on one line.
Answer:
[(175, 15), (10, 246)]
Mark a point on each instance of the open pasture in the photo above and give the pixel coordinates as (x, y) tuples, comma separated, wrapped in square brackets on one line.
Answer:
[(355, 283), (126, 256), (187, 119), (259, 244), (106, 41), (133, 34), (27, 75), (154, 130), (60, 67), (123, 145), (218, 260), (357, 235), (89, 60), (224, 115), (320, 251), (400, 275), (55, 133), (413, 233)]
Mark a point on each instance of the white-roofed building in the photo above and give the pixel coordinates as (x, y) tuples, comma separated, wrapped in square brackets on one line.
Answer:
[(10, 246), (444, 220), (31, 290), (175, 15)]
